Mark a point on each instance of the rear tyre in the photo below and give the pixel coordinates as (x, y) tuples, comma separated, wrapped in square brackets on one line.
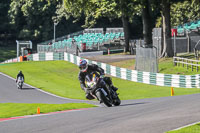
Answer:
[(103, 98)]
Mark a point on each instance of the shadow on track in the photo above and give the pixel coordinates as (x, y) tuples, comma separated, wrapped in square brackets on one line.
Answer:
[(27, 89), (131, 104)]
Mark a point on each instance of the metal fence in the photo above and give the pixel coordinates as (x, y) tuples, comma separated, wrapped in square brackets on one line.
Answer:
[(188, 63), (94, 30), (179, 44), (72, 48), (114, 30)]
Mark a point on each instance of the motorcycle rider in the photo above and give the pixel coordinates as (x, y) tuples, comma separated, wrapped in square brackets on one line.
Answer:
[(85, 69), (20, 74)]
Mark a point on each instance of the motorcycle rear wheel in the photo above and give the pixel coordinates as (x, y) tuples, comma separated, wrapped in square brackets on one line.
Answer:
[(103, 98)]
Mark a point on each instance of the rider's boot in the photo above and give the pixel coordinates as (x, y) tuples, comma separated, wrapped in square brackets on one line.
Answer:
[(88, 95)]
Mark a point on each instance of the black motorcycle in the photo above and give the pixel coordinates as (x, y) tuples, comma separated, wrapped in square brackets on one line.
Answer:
[(100, 90)]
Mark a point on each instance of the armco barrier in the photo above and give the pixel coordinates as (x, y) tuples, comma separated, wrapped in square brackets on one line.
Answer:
[(183, 81)]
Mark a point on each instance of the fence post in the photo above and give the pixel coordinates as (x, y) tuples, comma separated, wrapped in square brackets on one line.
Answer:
[(192, 65), (174, 60)]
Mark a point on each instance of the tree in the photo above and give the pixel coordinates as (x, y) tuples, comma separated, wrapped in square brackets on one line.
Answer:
[(5, 28), (167, 50), (95, 9), (32, 18), (176, 13), (183, 12), (147, 22)]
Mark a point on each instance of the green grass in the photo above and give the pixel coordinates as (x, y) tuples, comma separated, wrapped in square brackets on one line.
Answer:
[(20, 109), (61, 78), (7, 53), (58, 77), (129, 64), (165, 66), (191, 129)]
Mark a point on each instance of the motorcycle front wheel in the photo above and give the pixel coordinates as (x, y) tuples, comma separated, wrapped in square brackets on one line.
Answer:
[(103, 98), (117, 101)]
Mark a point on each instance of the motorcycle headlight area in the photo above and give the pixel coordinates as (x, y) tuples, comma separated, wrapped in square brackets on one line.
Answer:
[(91, 84)]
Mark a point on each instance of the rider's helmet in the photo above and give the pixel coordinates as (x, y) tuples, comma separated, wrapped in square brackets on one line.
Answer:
[(20, 71), (83, 66)]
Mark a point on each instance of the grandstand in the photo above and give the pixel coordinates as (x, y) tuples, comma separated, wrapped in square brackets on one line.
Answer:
[(86, 40), (188, 27)]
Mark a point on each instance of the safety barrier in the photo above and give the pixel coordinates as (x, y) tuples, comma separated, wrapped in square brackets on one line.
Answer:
[(183, 81)]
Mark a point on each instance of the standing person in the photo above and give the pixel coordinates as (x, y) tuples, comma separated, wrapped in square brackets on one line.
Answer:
[(85, 69)]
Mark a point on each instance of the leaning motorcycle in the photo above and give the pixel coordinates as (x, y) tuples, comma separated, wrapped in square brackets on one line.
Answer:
[(20, 82), (100, 90)]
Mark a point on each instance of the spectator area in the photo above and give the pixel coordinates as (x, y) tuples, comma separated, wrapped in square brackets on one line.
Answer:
[(91, 38), (188, 27)]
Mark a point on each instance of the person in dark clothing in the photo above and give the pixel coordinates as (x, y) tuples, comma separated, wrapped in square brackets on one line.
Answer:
[(20, 74), (85, 69)]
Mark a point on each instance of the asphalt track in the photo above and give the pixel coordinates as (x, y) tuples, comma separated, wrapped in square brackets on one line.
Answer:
[(155, 115)]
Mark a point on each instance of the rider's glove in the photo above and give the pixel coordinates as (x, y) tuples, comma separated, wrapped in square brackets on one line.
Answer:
[(85, 89)]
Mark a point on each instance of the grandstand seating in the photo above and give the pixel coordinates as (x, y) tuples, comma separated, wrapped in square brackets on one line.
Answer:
[(187, 27), (90, 39)]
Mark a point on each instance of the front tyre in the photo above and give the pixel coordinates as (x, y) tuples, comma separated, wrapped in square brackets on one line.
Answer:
[(103, 98), (117, 101)]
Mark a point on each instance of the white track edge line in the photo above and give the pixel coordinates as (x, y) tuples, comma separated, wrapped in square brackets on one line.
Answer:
[(45, 91), (186, 126)]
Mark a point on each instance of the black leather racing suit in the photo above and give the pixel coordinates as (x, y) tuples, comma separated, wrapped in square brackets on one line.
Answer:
[(20, 75), (92, 68)]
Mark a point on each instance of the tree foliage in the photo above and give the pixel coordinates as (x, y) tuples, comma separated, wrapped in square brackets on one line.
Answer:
[(32, 18), (5, 28), (183, 12)]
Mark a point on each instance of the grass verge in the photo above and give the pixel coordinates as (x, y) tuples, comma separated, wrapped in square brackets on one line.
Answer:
[(165, 66), (191, 129), (61, 78), (20, 109)]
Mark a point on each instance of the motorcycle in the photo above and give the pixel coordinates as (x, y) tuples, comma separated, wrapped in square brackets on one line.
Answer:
[(101, 91), (20, 82)]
